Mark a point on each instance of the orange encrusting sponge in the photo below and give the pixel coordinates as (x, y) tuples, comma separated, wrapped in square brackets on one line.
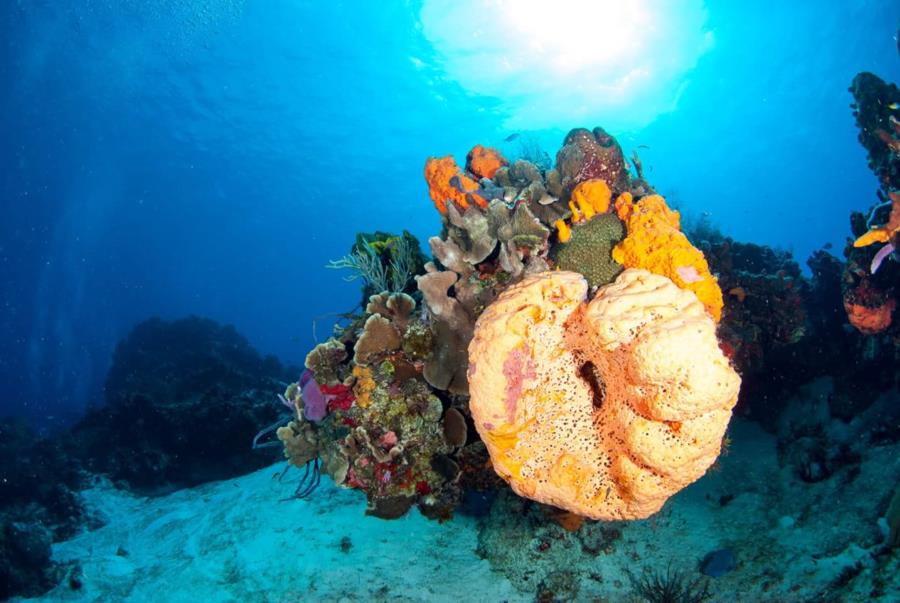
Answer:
[(484, 161), (447, 183), (655, 243), (590, 198)]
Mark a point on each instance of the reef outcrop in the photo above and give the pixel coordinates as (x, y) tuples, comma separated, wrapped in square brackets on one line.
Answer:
[(183, 399), (872, 272), (401, 391)]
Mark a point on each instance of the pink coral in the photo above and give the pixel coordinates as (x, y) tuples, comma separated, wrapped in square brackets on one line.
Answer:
[(314, 401), (516, 369)]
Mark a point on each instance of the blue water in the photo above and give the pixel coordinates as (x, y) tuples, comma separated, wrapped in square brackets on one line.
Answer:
[(209, 157)]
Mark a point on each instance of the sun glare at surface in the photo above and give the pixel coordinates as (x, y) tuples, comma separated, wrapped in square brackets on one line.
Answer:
[(618, 63)]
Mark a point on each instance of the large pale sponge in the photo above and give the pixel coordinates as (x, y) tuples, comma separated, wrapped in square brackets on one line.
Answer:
[(607, 408)]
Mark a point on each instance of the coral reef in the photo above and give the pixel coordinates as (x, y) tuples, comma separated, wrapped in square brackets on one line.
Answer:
[(394, 381), (183, 398), (384, 431), (878, 128), (764, 299), (871, 273), (606, 409), (783, 329)]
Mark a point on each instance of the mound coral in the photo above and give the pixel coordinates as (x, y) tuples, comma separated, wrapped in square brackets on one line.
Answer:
[(589, 249), (447, 183), (879, 130), (604, 409), (588, 155), (655, 243)]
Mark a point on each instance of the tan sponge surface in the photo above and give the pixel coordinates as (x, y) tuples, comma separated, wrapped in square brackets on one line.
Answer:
[(607, 408)]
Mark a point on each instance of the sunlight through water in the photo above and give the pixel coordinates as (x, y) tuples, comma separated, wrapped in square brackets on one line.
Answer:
[(552, 63)]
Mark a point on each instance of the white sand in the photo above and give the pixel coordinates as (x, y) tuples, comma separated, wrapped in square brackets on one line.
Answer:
[(233, 541)]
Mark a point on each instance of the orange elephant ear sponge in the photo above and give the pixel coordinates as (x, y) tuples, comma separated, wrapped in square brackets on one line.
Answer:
[(607, 408)]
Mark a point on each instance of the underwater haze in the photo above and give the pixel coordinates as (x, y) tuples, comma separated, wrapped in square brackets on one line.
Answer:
[(170, 158), (229, 375)]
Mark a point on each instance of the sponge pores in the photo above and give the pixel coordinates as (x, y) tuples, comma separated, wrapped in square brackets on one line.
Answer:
[(607, 408)]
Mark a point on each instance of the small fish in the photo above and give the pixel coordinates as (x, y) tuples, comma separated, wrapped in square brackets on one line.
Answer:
[(643, 146), (894, 106), (827, 246), (739, 292), (511, 137)]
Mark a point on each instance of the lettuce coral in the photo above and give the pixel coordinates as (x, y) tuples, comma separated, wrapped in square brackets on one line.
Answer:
[(604, 409), (655, 243), (378, 337)]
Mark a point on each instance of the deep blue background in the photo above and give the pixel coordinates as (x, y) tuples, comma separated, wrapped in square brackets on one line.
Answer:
[(209, 157)]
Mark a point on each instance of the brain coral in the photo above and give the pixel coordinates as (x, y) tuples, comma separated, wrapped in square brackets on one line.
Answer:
[(604, 409), (589, 249), (655, 242)]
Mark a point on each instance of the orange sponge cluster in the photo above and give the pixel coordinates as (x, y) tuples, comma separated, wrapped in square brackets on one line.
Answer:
[(446, 183), (870, 320), (484, 161), (589, 198), (655, 243), (604, 409)]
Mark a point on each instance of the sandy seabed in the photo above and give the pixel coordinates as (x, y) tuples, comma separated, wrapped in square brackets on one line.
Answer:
[(234, 541)]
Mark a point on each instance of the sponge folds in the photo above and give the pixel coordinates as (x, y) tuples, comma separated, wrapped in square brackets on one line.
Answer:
[(607, 408)]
